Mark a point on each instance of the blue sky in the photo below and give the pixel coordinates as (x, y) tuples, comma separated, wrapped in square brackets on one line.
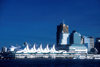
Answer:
[(35, 21)]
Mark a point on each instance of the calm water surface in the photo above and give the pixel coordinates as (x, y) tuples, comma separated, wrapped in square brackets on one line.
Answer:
[(49, 63)]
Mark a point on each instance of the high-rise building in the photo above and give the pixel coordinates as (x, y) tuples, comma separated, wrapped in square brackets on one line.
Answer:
[(89, 43), (82, 39), (64, 39), (61, 28), (4, 49), (75, 38), (97, 44)]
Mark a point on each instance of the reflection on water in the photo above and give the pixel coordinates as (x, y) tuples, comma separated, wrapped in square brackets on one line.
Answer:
[(49, 63)]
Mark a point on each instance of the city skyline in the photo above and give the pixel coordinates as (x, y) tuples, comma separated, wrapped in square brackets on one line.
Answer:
[(36, 21)]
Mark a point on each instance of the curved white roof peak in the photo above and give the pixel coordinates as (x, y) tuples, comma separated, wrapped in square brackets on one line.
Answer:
[(33, 49)]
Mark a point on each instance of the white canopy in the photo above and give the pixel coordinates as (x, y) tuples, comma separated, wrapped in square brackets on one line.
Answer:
[(33, 49)]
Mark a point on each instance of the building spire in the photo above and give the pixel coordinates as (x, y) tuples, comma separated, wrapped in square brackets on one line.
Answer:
[(63, 21)]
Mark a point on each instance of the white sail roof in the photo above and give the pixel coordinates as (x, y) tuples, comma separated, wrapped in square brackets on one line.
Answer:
[(12, 48), (33, 49)]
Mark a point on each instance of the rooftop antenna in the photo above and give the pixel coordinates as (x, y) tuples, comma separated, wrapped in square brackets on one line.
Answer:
[(63, 21)]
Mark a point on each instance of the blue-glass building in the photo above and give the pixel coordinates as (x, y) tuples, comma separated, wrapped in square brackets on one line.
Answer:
[(77, 48), (75, 38), (97, 44), (61, 37), (87, 43), (64, 38)]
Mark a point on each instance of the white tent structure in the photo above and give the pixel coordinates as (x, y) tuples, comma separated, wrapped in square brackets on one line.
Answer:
[(53, 50), (34, 50), (12, 48), (46, 50), (40, 50), (25, 50)]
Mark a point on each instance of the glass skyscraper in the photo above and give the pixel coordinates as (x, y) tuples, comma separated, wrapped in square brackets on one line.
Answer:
[(75, 38), (62, 28), (89, 43)]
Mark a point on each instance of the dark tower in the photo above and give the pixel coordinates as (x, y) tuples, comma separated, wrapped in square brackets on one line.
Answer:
[(60, 28), (97, 44)]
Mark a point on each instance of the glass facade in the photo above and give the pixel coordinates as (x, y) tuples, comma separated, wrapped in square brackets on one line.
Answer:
[(97, 45), (60, 28), (87, 43), (64, 39), (76, 38), (78, 48)]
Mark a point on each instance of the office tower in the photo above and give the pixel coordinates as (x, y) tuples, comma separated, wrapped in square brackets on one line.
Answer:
[(87, 43), (64, 39), (91, 42), (61, 28), (82, 39), (4, 49), (97, 44), (75, 38)]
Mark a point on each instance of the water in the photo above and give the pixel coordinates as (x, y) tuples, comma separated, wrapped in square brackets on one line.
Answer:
[(49, 63)]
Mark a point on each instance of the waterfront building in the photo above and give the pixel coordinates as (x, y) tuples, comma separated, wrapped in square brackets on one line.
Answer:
[(27, 52), (64, 39), (60, 28), (75, 38), (69, 42), (4, 49), (73, 48), (89, 43), (82, 39), (26, 49), (97, 44), (13, 48), (77, 48)]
